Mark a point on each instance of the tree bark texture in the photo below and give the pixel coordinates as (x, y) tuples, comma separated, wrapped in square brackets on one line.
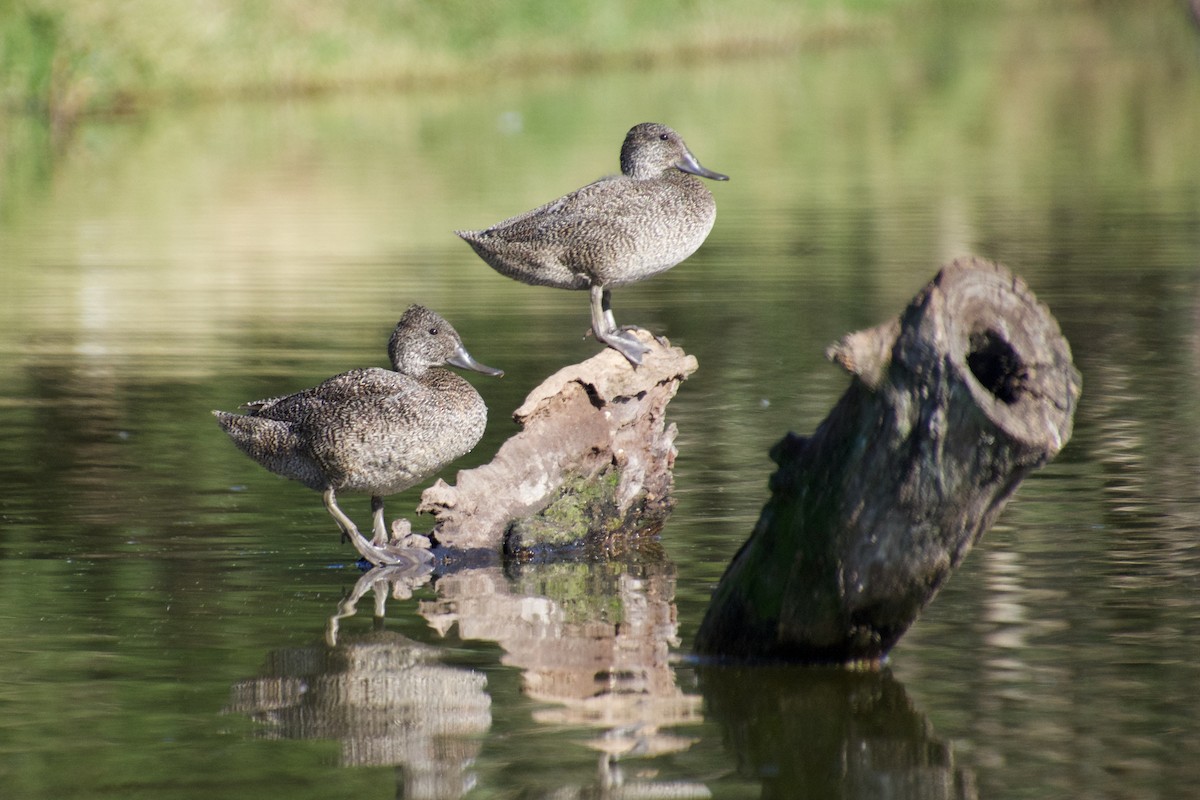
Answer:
[(950, 406), (591, 467)]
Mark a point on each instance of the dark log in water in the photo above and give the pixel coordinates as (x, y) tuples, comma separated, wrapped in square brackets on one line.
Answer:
[(949, 408), (592, 466)]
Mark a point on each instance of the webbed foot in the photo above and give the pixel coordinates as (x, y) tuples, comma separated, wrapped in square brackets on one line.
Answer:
[(626, 343), (392, 553)]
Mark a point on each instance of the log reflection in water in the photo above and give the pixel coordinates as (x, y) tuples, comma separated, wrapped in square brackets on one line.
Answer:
[(593, 642), (831, 733)]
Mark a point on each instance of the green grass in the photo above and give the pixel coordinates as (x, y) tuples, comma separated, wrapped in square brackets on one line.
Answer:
[(64, 58)]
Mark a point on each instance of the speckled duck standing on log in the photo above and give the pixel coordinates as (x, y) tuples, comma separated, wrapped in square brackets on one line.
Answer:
[(614, 232), (374, 430)]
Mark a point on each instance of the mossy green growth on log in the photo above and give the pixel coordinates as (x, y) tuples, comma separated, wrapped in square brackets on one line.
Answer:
[(587, 516)]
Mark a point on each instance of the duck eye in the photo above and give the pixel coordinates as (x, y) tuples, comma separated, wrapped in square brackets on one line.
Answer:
[(433, 331), (664, 136)]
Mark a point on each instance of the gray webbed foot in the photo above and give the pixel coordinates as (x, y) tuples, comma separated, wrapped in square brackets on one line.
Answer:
[(624, 342)]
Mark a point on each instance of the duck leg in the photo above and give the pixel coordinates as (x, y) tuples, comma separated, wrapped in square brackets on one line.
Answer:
[(347, 526), (378, 528), (350, 530), (377, 552), (604, 327), (606, 306)]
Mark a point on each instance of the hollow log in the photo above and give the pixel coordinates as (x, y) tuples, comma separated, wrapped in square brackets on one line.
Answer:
[(949, 407), (591, 468)]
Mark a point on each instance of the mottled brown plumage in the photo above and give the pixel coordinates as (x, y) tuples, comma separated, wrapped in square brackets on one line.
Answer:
[(613, 232), (374, 430)]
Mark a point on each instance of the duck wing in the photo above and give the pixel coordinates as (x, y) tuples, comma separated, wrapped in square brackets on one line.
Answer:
[(348, 388)]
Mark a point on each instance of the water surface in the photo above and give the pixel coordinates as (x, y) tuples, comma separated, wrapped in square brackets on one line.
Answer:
[(167, 604)]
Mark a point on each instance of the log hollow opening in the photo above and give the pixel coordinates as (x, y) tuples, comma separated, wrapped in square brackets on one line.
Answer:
[(996, 365)]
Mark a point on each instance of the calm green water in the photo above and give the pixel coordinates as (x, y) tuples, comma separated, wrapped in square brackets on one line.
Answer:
[(166, 603)]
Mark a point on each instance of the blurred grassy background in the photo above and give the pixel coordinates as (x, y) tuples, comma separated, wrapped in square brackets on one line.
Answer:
[(64, 58)]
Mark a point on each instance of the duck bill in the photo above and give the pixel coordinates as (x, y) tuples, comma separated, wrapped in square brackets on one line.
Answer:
[(689, 164), (463, 360)]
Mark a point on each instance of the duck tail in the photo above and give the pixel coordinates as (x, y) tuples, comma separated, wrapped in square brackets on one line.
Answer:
[(273, 444)]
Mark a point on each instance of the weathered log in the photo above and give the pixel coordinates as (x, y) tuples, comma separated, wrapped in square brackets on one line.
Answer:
[(591, 467), (949, 408)]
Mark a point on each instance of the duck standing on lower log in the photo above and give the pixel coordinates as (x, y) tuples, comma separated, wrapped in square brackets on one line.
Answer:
[(372, 430), (613, 232)]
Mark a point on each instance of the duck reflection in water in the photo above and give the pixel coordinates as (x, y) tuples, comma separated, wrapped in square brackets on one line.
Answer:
[(613, 232), (374, 430), (593, 641), (387, 700)]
